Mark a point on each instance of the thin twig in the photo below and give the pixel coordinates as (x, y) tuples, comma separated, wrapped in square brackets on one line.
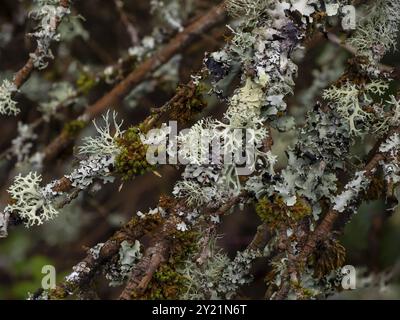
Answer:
[(121, 90)]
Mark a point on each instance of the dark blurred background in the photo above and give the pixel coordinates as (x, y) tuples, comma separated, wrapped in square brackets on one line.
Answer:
[(99, 39)]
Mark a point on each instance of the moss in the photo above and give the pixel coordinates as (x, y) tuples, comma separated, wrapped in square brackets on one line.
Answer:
[(85, 83), (132, 161), (74, 127), (276, 213), (302, 293), (191, 102), (167, 282), (328, 256), (62, 292)]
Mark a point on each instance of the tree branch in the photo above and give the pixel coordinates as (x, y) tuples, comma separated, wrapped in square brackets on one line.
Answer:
[(121, 90)]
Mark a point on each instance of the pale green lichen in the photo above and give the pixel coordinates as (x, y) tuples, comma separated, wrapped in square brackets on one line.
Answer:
[(105, 144), (129, 254), (7, 105), (48, 14), (29, 201), (219, 277), (351, 99), (376, 33)]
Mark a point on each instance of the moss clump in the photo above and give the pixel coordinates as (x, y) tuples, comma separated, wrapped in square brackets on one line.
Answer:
[(74, 127), (276, 213), (302, 293), (132, 161), (167, 282), (328, 256), (85, 83), (56, 294), (190, 102)]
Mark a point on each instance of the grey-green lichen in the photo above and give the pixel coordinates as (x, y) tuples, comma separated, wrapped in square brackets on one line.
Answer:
[(7, 104)]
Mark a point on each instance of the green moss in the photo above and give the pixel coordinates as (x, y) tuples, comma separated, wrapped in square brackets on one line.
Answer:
[(302, 293), (190, 103), (57, 294), (167, 283), (73, 128), (328, 256), (132, 161), (85, 83), (276, 213)]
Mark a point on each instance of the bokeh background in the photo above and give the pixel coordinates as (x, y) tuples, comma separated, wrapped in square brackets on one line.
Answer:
[(97, 37)]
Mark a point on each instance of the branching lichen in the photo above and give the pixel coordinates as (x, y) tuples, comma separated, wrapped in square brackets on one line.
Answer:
[(29, 201), (105, 144), (7, 105)]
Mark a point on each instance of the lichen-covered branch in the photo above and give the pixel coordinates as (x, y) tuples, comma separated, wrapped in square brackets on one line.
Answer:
[(50, 15), (141, 72)]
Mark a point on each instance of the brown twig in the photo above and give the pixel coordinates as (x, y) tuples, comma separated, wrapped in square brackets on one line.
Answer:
[(154, 256), (122, 89), (175, 104), (333, 38), (129, 27), (86, 269), (25, 72)]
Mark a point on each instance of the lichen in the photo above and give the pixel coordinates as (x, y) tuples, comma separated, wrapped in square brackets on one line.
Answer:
[(22, 145), (129, 255), (346, 199), (96, 167), (218, 277), (167, 282), (60, 95), (29, 201), (48, 14), (105, 144), (350, 101), (377, 32), (7, 105)]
